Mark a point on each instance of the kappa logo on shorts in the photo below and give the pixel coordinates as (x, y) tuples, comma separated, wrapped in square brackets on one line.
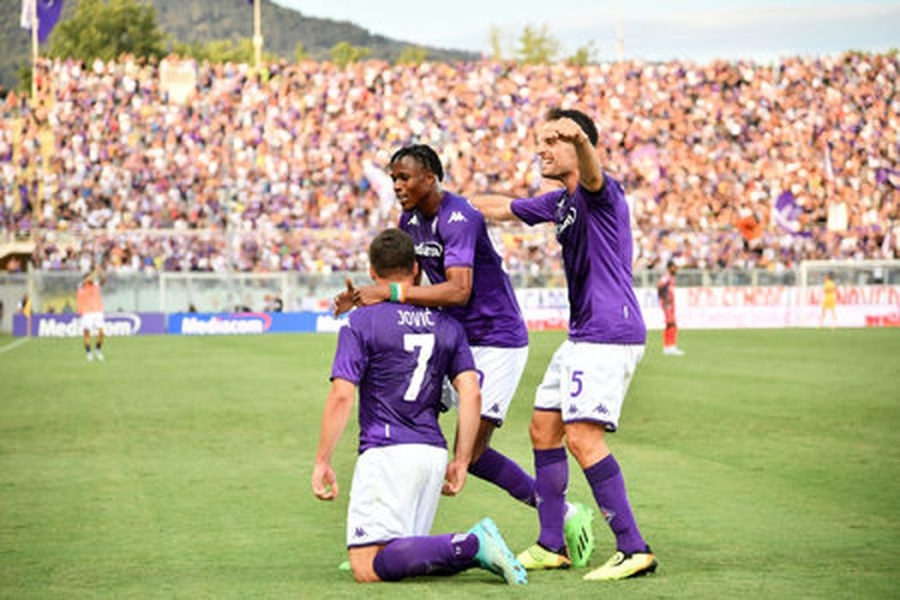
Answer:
[(359, 532), (495, 408), (573, 409), (601, 409)]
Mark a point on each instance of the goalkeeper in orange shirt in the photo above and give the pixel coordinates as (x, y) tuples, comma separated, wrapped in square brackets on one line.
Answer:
[(90, 307)]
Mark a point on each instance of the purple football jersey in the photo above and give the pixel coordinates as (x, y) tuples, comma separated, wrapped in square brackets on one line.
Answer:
[(595, 234), (457, 237), (398, 355)]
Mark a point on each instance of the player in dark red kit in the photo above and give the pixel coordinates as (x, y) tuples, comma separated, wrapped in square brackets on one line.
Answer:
[(665, 289)]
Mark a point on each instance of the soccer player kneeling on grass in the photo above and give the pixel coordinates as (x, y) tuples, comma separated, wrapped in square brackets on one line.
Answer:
[(397, 356)]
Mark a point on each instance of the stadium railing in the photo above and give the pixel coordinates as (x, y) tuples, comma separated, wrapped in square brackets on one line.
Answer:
[(172, 292)]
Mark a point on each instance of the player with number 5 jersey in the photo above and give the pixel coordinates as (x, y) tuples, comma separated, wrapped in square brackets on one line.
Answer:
[(580, 398)]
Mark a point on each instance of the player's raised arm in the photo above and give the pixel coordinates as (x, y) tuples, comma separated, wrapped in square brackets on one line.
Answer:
[(590, 173), (334, 420)]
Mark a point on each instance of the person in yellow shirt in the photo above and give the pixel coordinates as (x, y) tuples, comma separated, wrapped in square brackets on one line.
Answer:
[(89, 299), (829, 301)]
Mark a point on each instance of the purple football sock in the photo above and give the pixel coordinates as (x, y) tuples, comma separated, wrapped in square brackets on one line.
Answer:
[(608, 486), (552, 470), (426, 555), (504, 473)]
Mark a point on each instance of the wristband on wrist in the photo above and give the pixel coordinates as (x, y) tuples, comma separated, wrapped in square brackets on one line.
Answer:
[(398, 294)]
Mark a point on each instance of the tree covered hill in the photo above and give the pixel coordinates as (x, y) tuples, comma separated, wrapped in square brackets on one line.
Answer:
[(198, 21)]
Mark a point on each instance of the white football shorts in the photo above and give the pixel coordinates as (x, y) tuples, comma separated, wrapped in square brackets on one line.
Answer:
[(588, 382), (395, 493), (92, 321), (499, 372)]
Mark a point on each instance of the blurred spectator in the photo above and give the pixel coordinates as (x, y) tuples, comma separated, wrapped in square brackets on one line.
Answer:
[(24, 306), (273, 303)]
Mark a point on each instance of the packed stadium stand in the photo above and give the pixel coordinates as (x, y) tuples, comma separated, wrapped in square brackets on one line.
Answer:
[(184, 167)]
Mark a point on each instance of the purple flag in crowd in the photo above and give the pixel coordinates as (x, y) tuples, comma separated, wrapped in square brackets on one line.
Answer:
[(829, 164), (786, 214), (888, 176), (48, 12)]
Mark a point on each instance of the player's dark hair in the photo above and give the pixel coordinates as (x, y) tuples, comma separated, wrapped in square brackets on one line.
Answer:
[(392, 252), (585, 122), (424, 155)]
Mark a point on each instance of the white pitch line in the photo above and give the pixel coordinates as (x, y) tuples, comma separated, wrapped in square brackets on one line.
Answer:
[(13, 345)]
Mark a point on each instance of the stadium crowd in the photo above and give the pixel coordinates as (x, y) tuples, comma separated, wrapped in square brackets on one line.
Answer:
[(727, 164)]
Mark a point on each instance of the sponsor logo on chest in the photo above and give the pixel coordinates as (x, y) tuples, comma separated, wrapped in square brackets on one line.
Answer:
[(432, 249)]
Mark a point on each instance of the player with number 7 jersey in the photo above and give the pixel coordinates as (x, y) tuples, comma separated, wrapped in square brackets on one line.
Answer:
[(400, 385), (398, 356)]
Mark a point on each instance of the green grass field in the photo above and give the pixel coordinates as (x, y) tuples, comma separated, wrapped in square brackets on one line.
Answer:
[(764, 464)]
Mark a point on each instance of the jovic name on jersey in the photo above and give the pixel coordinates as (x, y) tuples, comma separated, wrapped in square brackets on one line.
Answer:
[(398, 356)]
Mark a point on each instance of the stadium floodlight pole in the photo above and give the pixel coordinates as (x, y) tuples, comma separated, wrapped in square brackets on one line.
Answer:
[(257, 35), (620, 33), (29, 303)]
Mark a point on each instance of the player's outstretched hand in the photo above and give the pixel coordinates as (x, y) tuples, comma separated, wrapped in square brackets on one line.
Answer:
[(455, 478), (324, 482), (346, 300)]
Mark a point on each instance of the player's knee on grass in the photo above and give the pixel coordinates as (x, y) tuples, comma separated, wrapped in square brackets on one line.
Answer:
[(362, 564)]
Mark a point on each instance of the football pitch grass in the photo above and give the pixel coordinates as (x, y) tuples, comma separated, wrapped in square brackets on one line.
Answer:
[(763, 464)]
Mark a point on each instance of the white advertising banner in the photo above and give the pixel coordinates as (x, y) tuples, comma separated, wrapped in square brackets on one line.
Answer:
[(737, 307)]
